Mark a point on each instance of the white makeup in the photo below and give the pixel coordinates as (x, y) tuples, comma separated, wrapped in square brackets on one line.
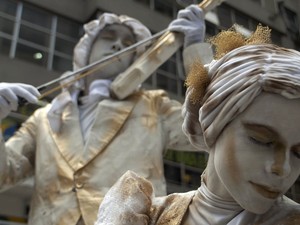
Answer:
[(257, 156), (110, 40)]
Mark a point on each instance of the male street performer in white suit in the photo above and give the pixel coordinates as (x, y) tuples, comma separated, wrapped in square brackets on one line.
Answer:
[(80, 144)]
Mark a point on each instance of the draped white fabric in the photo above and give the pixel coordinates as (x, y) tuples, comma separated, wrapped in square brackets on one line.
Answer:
[(235, 80)]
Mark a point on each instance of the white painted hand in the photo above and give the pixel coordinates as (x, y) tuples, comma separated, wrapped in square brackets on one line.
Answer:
[(190, 22), (10, 94)]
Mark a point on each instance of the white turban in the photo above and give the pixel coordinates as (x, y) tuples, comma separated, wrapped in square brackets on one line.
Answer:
[(235, 81), (83, 48)]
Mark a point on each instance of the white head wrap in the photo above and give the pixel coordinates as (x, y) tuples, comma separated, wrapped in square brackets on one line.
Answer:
[(83, 48), (235, 81)]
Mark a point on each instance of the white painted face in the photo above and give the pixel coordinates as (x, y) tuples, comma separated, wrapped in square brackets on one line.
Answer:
[(257, 156), (110, 40)]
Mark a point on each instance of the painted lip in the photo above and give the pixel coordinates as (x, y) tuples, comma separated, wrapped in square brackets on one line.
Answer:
[(266, 191)]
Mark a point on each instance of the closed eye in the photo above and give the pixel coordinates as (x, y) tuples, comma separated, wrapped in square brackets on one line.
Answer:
[(261, 135), (296, 151), (297, 154), (260, 142)]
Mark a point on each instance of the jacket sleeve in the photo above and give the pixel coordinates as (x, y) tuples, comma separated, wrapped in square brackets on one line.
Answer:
[(17, 155)]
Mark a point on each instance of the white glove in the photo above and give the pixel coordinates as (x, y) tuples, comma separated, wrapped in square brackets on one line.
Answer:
[(190, 22), (9, 93)]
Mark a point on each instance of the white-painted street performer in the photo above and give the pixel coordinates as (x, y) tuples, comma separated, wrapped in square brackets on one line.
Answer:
[(244, 107), (80, 144)]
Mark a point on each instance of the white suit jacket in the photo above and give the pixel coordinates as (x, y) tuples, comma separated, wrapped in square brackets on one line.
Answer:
[(71, 177)]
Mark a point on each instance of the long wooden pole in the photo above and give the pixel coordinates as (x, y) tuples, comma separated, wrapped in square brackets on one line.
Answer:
[(155, 56)]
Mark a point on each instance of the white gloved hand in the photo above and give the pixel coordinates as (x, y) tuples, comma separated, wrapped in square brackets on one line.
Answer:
[(190, 22), (9, 93)]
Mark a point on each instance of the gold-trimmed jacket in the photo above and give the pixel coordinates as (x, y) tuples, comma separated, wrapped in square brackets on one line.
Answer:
[(71, 177)]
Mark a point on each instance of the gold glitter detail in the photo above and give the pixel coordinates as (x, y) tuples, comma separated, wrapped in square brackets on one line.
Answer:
[(197, 80), (262, 35), (230, 39), (224, 42)]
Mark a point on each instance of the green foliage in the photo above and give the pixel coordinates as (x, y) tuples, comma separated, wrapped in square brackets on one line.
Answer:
[(194, 159)]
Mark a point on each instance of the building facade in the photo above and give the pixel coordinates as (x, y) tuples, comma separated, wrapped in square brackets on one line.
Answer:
[(37, 38)]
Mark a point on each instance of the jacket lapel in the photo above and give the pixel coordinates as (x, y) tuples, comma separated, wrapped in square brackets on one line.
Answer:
[(110, 117), (69, 140)]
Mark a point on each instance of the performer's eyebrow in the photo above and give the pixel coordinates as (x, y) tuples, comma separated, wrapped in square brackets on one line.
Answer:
[(108, 30), (262, 128), (267, 131)]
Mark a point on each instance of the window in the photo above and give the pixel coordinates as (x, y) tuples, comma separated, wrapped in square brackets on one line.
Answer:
[(36, 35), (4, 46), (166, 82), (62, 64), (276, 37), (8, 7), (149, 81), (164, 7), (170, 66), (7, 20), (224, 13), (6, 25), (65, 45), (184, 168), (192, 178), (36, 16), (211, 29), (172, 172), (31, 54), (69, 28), (67, 36), (7, 10), (291, 20), (242, 19)]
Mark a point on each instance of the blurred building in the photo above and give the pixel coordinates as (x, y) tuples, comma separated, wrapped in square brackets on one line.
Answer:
[(37, 38)]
